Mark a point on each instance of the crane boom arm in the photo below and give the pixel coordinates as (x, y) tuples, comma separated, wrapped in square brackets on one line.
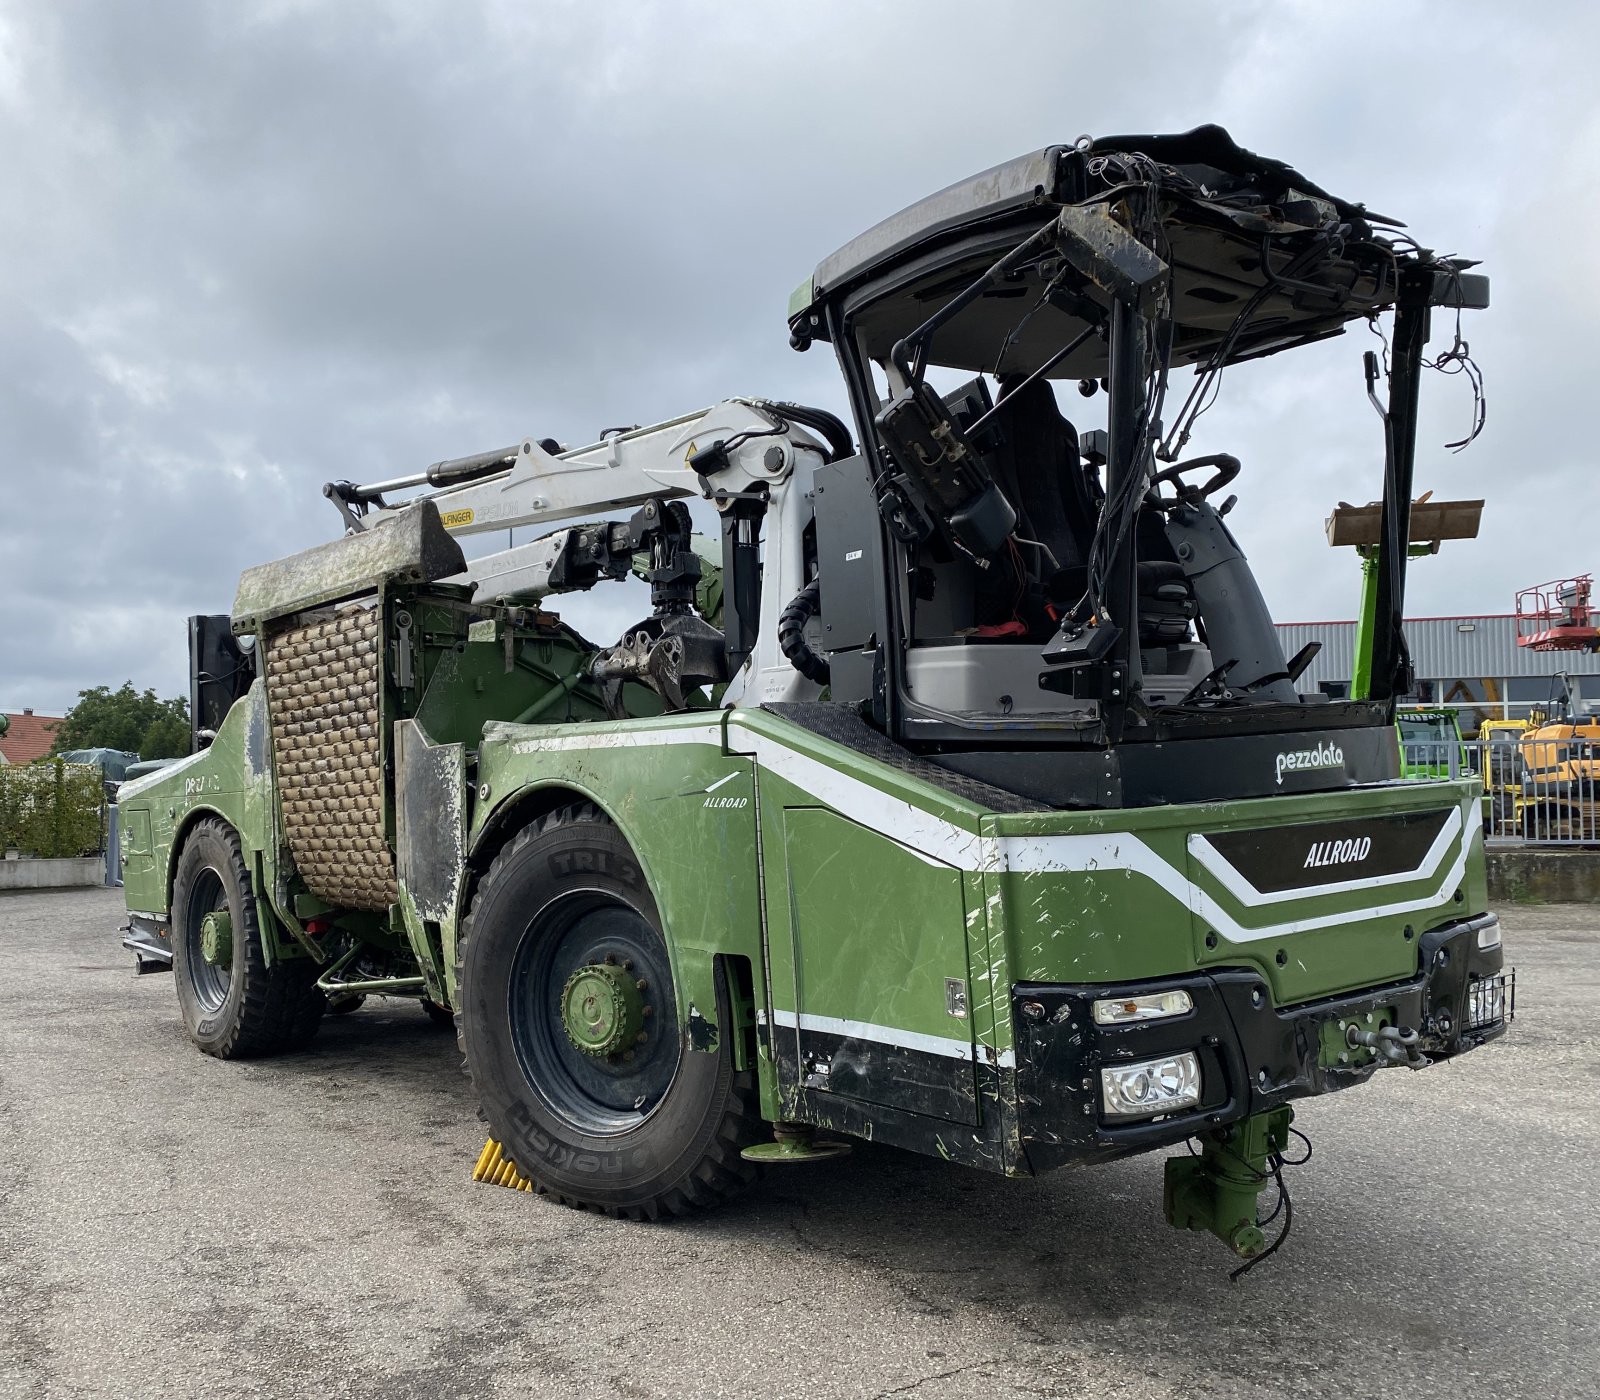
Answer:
[(527, 485)]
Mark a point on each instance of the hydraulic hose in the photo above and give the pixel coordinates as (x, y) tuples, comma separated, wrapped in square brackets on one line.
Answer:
[(835, 432), (792, 633)]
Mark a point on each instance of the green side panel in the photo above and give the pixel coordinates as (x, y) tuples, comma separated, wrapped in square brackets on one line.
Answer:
[(1144, 898), (231, 779), (892, 905), (877, 932)]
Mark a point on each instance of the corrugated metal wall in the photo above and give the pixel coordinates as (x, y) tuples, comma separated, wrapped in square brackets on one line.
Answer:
[(1442, 648)]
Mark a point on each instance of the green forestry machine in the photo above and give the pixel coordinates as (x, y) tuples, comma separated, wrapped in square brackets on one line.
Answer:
[(967, 805)]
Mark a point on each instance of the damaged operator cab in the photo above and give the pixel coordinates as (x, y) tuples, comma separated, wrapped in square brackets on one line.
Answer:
[(1055, 607)]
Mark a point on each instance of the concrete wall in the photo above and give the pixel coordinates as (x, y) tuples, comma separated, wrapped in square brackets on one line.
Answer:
[(1533, 876), (52, 874)]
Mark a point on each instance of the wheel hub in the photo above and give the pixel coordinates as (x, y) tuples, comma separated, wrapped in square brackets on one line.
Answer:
[(602, 1009), (216, 938)]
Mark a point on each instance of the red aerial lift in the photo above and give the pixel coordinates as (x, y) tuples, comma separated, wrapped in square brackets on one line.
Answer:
[(1558, 616)]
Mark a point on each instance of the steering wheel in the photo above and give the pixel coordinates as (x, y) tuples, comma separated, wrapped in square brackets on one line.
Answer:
[(1226, 465)]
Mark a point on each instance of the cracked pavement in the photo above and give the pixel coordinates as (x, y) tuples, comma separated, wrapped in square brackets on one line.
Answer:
[(307, 1227)]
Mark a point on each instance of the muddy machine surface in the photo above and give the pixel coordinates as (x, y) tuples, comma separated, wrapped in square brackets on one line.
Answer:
[(966, 804)]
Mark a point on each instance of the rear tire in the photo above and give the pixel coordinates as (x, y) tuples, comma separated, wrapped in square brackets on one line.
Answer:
[(654, 1130), (233, 1005)]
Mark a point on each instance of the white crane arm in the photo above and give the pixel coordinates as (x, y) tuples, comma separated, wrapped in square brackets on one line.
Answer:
[(622, 469)]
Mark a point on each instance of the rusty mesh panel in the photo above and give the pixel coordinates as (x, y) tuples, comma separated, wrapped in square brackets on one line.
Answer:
[(322, 692)]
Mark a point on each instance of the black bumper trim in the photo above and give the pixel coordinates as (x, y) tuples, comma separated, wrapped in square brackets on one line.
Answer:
[(1253, 1055), (148, 942)]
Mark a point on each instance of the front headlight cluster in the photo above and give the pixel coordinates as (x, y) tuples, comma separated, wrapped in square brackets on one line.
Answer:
[(1489, 1000), (1151, 1088)]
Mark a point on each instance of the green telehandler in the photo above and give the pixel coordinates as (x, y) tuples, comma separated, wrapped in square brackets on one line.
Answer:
[(968, 804)]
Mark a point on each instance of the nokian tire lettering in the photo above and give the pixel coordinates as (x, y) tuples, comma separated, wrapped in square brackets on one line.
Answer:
[(247, 1008), (682, 1154)]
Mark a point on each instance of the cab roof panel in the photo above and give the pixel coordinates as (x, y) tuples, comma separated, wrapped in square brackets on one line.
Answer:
[(1058, 175)]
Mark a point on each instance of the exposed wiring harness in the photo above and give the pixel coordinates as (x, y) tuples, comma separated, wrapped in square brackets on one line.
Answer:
[(1456, 360)]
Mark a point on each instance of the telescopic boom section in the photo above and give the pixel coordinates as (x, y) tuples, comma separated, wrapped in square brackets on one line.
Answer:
[(527, 484)]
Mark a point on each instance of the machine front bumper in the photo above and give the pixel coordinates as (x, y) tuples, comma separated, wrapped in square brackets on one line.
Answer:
[(1253, 1056)]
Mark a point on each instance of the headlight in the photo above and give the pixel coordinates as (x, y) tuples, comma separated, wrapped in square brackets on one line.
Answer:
[(1151, 1087), (1120, 1011), (1489, 935), (1491, 1000)]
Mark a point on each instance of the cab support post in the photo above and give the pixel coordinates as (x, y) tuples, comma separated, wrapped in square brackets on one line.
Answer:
[(1125, 459), (1390, 666)]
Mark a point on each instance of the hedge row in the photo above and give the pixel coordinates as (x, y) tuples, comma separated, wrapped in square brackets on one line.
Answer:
[(51, 808)]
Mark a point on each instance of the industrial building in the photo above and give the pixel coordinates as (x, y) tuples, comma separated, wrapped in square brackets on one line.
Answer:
[(1472, 663)]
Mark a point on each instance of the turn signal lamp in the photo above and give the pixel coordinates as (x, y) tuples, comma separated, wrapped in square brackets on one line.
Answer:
[(1121, 1011)]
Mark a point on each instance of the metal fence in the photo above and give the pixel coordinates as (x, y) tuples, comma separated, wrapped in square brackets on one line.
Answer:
[(1536, 791)]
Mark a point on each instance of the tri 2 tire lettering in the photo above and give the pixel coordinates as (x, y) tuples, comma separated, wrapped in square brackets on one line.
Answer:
[(596, 863)]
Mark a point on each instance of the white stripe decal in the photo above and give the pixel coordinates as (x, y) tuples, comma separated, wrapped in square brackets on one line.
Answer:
[(947, 1046), (940, 842), (1086, 854), (1246, 893), (619, 739), (929, 837)]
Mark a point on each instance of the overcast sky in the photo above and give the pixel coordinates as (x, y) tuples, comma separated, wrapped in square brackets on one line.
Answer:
[(249, 247)]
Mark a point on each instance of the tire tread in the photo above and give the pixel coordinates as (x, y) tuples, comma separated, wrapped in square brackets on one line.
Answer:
[(280, 1007), (721, 1173)]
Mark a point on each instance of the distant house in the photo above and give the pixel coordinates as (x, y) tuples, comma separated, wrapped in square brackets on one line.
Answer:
[(28, 737)]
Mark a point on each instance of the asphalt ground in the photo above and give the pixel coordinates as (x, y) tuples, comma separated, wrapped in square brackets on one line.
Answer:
[(307, 1226)]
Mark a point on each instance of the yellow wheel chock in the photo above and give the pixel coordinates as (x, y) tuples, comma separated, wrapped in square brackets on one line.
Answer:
[(498, 1169)]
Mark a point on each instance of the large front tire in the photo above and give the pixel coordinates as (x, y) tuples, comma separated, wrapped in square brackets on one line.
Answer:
[(233, 1004), (636, 1125)]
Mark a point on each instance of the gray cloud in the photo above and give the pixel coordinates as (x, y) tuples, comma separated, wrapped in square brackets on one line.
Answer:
[(249, 247)]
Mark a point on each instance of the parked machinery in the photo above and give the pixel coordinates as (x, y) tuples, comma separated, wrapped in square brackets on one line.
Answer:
[(971, 808)]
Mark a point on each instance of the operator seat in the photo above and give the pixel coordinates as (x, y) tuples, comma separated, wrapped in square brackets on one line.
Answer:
[(1057, 497), (1037, 464), (1041, 471)]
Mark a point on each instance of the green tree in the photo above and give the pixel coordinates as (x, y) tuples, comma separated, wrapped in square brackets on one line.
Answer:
[(127, 719)]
